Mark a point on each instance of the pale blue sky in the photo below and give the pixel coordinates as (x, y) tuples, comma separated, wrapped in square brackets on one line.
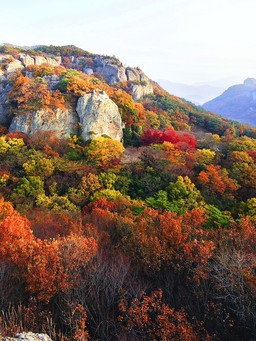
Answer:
[(179, 40)]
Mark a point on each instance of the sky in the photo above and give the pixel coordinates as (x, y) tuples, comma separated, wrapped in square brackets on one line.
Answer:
[(184, 41)]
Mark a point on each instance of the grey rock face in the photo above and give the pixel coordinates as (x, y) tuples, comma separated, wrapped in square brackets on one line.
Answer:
[(4, 107), (99, 115), (26, 59), (112, 73), (27, 337), (14, 66), (51, 80), (133, 74), (60, 122), (4, 57), (88, 71), (140, 91), (38, 60)]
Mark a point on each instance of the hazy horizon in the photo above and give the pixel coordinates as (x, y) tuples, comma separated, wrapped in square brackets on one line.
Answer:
[(182, 41)]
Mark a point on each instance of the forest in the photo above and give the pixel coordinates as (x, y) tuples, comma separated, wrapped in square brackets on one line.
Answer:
[(151, 238)]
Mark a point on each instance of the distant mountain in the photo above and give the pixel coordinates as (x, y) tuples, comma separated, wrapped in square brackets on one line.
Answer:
[(195, 93), (237, 103)]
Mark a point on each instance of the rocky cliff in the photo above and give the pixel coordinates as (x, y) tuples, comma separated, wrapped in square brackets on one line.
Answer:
[(95, 114), (60, 122), (23, 60), (99, 116), (115, 72)]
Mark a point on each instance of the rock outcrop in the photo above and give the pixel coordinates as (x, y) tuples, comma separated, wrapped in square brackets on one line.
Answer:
[(113, 71), (61, 122), (38, 60), (5, 115), (14, 66), (99, 115), (110, 68), (26, 59), (23, 60), (139, 91), (27, 337)]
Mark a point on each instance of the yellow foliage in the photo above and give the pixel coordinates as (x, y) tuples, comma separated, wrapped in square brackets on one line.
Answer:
[(104, 153)]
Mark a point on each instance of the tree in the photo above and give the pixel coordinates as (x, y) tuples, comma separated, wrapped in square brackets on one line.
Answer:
[(28, 95), (149, 318), (215, 181), (178, 197), (42, 168), (104, 153), (242, 168)]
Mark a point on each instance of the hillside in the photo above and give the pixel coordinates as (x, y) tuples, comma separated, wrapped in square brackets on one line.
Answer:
[(237, 103), (126, 213)]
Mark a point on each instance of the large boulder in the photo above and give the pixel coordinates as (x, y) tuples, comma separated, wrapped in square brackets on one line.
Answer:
[(27, 337), (99, 115), (60, 122)]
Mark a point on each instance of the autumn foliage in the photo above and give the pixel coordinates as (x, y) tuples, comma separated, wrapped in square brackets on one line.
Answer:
[(180, 140), (151, 238), (29, 95)]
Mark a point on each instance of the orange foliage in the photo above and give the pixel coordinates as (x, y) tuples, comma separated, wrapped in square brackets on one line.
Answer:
[(216, 180), (168, 240), (30, 94), (76, 251), (126, 105), (46, 225), (150, 319), (15, 234), (48, 267), (43, 270)]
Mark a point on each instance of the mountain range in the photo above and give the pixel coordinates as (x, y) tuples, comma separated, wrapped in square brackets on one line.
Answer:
[(238, 103)]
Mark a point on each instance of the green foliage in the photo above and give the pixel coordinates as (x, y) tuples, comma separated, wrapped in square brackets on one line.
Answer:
[(249, 207), (217, 218), (179, 197), (65, 79), (131, 135), (27, 191), (242, 143), (56, 203), (68, 50)]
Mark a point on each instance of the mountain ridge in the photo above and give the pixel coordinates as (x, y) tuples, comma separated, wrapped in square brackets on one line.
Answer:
[(238, 102), (73, 72)]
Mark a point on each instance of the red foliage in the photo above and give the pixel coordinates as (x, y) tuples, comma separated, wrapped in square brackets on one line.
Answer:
[(252, 154), (19, 135), (181, 140)]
